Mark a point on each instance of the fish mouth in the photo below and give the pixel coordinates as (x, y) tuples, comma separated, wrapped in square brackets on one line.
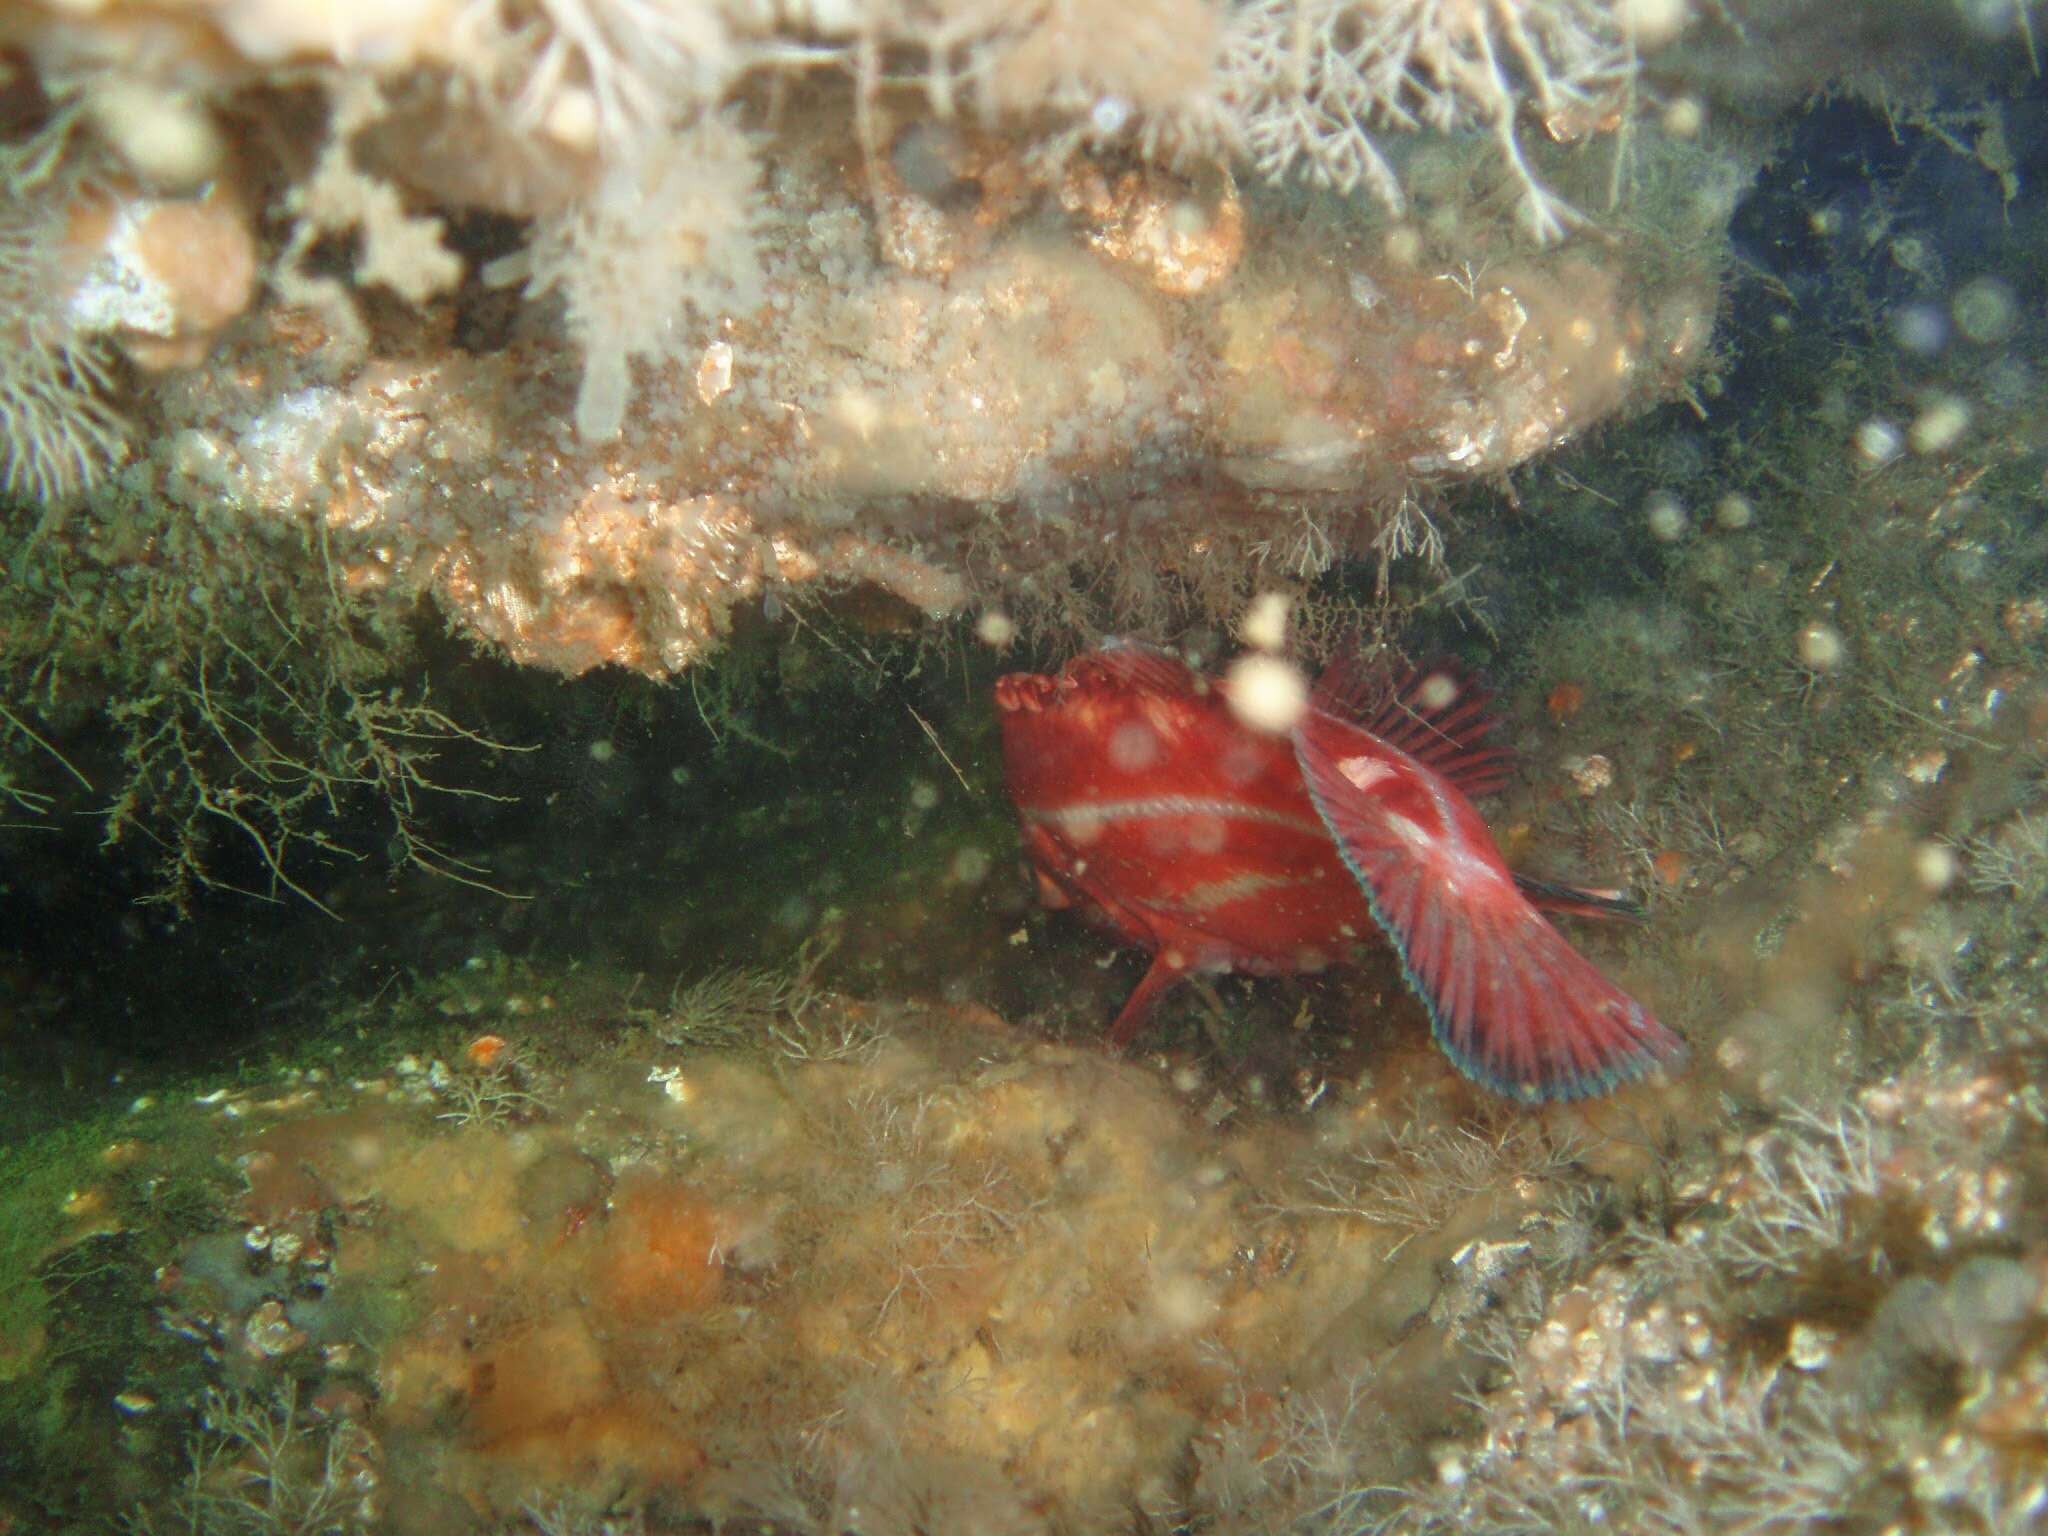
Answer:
[(1024, 692)]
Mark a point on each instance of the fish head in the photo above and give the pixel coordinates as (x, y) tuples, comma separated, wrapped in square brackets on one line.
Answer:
[(1099, 729), (1114, 721)]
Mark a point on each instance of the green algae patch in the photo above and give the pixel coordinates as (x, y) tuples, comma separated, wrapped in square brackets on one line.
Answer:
[(87, 1212), (36, 1181)]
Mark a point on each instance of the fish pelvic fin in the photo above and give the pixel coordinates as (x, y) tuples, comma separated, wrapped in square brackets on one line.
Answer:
[(1136, 1012), (1513, 1005)]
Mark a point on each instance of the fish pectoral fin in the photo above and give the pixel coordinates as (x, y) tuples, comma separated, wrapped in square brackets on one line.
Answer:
[(1513, 1005)]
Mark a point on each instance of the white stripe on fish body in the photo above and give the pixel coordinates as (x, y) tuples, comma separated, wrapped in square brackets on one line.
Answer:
[(1087, 820), (1205, 898)]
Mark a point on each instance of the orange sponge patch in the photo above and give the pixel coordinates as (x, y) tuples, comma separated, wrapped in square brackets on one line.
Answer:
[(548, 1400), (655, 1257)]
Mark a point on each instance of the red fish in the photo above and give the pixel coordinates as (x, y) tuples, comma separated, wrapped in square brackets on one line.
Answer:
[(1147, 803)]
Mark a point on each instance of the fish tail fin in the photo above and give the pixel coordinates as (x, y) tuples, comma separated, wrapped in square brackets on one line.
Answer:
[(1579, 900)]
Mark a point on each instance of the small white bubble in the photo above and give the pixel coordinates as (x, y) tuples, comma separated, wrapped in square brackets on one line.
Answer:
[(1439, 691), (924, 794), (1265, 622), (1134, 746), (1878, 442), (1821, 647), (1665, 514), (1940, 426), (1734, 511), (1985, 310), (971, 866), (1266, 693), (602, 751), (1934, 866), (1921, 329), (1653, 23), (1684, 118), (995, 629), (571, 120), (1109, 115), (1205, 834)]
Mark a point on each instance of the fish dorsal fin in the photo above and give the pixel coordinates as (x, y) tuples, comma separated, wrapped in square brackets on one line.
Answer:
[(1511, 1002), (1133, 664), (1436, 713), (1356, 686)]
